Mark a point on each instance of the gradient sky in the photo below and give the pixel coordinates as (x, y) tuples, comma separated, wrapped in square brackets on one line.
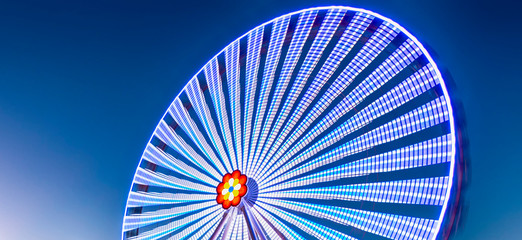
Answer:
[(84, 83)]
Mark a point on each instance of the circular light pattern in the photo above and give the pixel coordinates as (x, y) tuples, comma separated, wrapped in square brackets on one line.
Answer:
[(339, 118), (231, 189)]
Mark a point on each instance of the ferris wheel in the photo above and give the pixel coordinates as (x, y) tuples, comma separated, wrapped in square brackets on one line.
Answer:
[(326, 123)]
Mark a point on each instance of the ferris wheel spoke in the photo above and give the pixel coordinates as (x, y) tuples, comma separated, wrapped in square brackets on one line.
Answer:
[(344, 39), (215, 85), (371, 83), (142, 199), (180, 146), (342, 229), (338, 21), (284, 77), (234, 90), (154, 214), (278, 224), (279, 29), (379, 136), (178, 115), (173, 212), (151, 178), (300, 25), (344, 106), (222, 228), (320, 78), (307, 40), (229, 226), (273, 231), (364, 221), (255, 229), (399, 99), (364, 187), (157, 160), (150, 183), (259, 227), (254, 42), (425, 134), (408, 157), (332, 62), (327, 22), (373, 25), (290, 44), (417, 210), (196, 94), (307, 226), (413, 191), (240, 230), (235, 228), (300, 47), (418, 123), (172, 226), (203, 229)]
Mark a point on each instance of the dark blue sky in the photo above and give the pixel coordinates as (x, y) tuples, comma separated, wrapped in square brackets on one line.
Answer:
[(84, 83)]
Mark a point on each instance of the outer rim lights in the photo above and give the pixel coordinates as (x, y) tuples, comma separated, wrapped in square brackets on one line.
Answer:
[(231, 189)]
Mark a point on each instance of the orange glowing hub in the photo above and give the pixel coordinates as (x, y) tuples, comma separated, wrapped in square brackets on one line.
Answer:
[(231, 189)]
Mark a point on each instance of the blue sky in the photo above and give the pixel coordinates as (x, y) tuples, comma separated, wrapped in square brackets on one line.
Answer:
[(84, 83)]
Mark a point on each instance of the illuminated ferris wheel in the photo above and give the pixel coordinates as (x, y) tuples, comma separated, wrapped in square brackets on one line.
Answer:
[(327, 123)]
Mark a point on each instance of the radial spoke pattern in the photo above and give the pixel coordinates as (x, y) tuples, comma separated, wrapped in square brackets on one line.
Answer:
[(338, 117)]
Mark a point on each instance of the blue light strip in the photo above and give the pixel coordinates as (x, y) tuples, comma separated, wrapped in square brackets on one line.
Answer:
[(216, 92), (324, 35), (360, 61), (178, 113), (232, 63), (303, 29), (252, 65), (274, 52)]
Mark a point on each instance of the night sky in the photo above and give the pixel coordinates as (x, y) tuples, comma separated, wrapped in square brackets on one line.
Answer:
[(84, 83)]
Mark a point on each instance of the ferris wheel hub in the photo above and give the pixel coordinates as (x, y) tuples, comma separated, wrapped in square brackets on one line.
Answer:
[(231, 189)]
